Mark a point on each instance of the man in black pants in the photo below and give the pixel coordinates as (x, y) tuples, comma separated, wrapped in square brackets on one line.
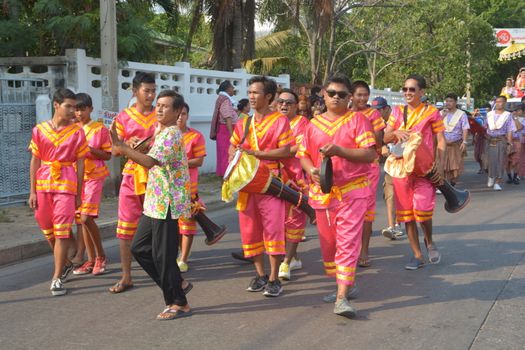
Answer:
[(155, 244)]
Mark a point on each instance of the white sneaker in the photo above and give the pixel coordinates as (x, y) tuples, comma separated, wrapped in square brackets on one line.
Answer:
[(497, 187), (57, 288), (296, 264), (491, 182), (284, 272)]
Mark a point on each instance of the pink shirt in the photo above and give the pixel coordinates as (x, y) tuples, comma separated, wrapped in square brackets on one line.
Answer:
[(375, 118), (292, 165), (352, 130), (131, 123), (195, 146), (271, 132), (424, 119), (97, 136), (58, 151)]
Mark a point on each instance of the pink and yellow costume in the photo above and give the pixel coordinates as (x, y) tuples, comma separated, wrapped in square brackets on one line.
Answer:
[(295, 221), (97, 136), (56, 179), (131, 123), (378, 124), (195, 147), (415, 196), (340, 213), (262, 216)]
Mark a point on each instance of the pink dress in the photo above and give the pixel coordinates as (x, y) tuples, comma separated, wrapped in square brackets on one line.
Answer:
[(131, 123), (340, 213), (56, 179)]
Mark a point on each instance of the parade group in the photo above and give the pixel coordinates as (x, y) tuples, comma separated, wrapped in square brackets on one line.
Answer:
[(158, 195)]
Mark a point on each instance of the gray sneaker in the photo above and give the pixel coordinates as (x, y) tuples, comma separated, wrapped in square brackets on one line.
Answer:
[(389, 233), (57, 288), (434, 256), (273, 289), (414, 264), (257, 284), (66, 271), (343, 308), (332, 297)]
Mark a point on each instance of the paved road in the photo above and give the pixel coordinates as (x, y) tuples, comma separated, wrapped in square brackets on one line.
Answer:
[(474, 299)]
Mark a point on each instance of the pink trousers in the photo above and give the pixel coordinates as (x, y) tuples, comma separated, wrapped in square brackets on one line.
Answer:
[(262, 225), (340, 230), (130, 207), (55, 214), (415, 198), (373, 177)]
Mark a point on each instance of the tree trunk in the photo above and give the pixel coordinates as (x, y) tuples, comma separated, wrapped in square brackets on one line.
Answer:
[(195, 19), (249, 26), (237, 35), (331, 44)]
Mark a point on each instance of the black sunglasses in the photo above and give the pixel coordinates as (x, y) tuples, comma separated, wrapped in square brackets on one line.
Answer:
[(411, 89), (341, 94), (283, 101)]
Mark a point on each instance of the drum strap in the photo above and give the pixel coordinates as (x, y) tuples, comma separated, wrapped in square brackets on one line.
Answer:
[(246, 129), (405, 115)]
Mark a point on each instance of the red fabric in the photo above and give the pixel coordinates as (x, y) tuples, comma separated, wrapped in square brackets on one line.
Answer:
[(215, 118)]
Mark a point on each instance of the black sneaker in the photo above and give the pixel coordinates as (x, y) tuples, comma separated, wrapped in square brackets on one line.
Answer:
[(66, 272), (257, 284), (516, 180), (273, 289), (240, 256), (57, 288)]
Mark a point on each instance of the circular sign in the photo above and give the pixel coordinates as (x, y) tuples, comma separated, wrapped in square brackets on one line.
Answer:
[(503, 37)]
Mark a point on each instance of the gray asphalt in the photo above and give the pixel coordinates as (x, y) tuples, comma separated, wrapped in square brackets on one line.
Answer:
[(474, 299)]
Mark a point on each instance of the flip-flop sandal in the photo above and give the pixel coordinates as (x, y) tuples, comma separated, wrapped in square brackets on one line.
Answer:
[(120, 287), (364, 262), (171, 314)]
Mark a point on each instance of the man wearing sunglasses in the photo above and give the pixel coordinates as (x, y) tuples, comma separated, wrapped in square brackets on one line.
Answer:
[(360, 93), (415, 196), (347, 137), (295, 218)]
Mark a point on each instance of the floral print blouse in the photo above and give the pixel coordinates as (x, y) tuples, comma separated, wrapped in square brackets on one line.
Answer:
[(168, 183)]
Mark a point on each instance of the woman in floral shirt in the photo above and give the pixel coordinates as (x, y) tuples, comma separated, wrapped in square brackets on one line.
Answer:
[(167, 198)]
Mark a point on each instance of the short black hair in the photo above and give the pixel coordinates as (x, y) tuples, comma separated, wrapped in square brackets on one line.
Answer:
[(452, 96), (357, 84), (339, 79), (502, 96), (290, 91), (61, 94), (421, 82), (177, 99), (83, 100), (269, 85), (242, 103), (224, 85), (187, 106), (143, 78), (315, 90)]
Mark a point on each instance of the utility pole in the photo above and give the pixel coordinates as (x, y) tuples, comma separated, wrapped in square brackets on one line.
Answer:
[(109, 76)]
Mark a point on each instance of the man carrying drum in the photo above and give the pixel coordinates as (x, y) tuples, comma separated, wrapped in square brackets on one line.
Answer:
[(266, 136), (415, 196), (347, 138)]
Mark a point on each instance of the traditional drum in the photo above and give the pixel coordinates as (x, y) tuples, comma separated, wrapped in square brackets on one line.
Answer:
[(414, 157), (247, 174)]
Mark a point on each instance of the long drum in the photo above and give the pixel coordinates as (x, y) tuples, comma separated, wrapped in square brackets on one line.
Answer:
[(414, 157), (246, 173)]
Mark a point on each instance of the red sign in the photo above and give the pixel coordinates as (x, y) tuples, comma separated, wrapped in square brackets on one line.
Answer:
[(503, 37)]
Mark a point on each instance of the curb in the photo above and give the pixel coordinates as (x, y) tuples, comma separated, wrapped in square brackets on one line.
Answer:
[(32, 249)]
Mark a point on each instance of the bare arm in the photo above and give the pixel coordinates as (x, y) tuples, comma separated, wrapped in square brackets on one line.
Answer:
[(100, 154), (358, 155), (441, 146), (119, 147), (80, 181), (33, 167), (274, 154), (229, 125), (395, 136), (309, 167), (195, 162)]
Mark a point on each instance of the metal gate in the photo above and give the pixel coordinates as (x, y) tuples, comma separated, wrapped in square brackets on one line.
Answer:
[(17, 119)]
